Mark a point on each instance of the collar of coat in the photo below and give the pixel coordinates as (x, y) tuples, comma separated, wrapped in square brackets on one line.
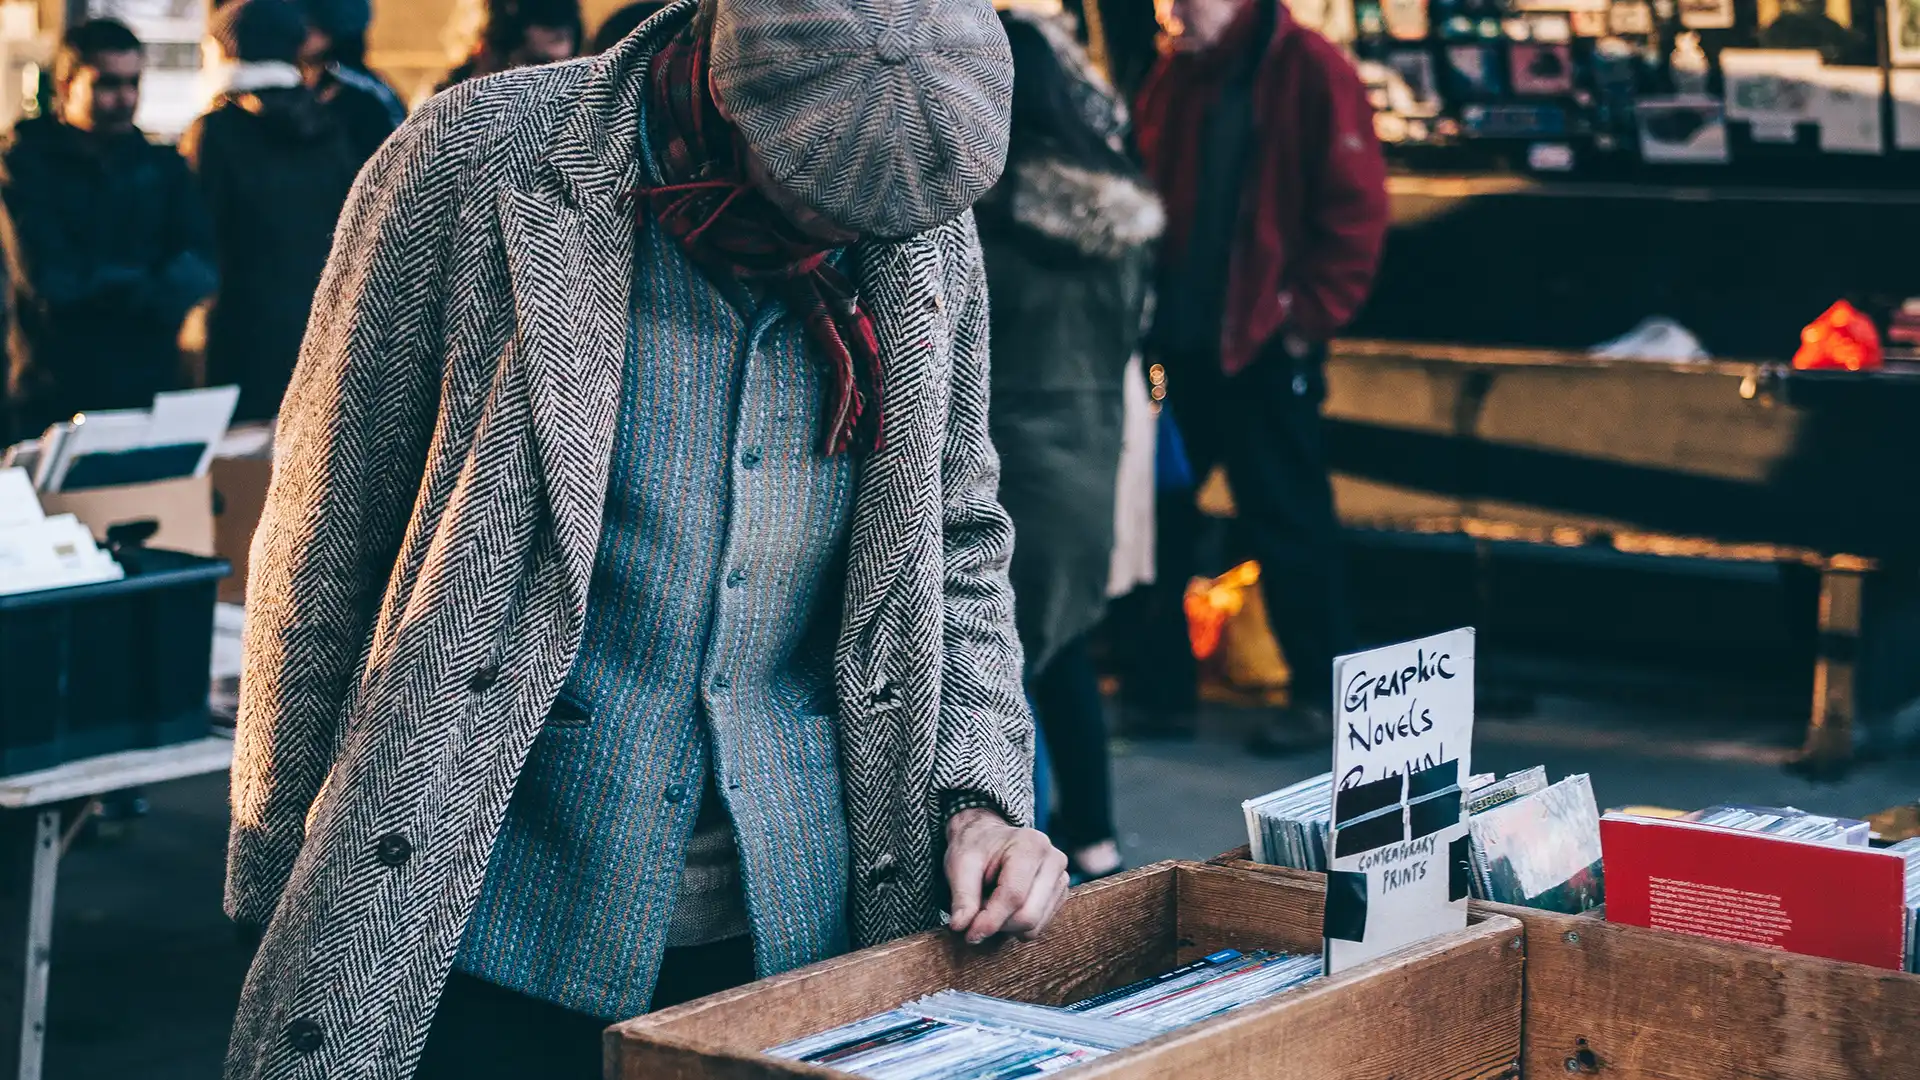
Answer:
[(597, 152)]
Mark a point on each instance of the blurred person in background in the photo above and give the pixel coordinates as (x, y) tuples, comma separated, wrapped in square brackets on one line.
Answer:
[(1259, 136), (333, 59), (275, 166), (621, 23), (108, 248), (1067, 234), (522, 33)]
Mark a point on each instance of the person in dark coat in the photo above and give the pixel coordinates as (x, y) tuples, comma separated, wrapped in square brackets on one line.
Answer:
[(1067, 234), (107, 245), (1258, 134), (275, 165), (522, 33), (334, 61)]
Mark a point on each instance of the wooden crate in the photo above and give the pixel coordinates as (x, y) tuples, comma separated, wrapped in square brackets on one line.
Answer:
[(1605, 999), (1447, 1009)]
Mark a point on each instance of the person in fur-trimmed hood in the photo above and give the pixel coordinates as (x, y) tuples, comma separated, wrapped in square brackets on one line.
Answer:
[(1067, 234)]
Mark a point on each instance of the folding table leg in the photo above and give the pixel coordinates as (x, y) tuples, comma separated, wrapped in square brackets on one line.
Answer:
[(29, 861), (1829, 748)]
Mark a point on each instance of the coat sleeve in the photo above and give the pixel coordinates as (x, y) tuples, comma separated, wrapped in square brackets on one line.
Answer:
[(351, 445), (1347, 212), (985, 757)]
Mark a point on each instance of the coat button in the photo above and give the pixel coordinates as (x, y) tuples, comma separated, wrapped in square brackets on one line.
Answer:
[(882, 872), (885, 694), (676, 793), (305, 1036), (752, 457), (721, 682), (392, 850), (736, 578), (485, 677)]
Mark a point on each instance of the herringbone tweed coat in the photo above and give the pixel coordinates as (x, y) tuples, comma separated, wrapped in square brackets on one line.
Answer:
[(420, 574)]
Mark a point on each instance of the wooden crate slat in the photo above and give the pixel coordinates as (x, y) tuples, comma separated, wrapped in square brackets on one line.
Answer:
[(1073, 960), (1633, 1003), (1373, 1022), (1445, 1009)]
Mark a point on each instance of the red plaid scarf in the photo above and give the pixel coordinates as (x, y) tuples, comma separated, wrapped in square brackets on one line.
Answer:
[(729, 229)]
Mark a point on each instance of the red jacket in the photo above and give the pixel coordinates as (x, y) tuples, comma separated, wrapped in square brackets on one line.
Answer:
[(1313, 212)]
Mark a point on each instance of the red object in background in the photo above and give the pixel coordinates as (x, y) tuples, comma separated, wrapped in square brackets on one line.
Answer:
[(1843, 903), (1841, 339)]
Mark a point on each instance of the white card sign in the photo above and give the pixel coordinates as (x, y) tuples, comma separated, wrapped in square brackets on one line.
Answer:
[(1403, 740)]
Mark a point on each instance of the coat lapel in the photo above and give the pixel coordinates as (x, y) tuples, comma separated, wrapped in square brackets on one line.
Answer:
[(569, 241), (900, 286), (571, 272)]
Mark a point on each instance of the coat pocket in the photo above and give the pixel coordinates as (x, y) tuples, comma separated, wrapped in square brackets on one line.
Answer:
[(569, 712)]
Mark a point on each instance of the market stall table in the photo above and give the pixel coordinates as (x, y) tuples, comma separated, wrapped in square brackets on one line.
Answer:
[(31, 844), (1715, 463)]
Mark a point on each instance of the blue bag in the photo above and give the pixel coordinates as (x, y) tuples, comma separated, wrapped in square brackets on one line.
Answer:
[(1171, 469)]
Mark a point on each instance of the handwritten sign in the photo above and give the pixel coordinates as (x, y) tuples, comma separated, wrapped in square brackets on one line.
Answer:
[(1403, 741)]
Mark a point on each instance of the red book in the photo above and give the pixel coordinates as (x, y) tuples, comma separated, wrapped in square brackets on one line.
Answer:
[(1843, 903)]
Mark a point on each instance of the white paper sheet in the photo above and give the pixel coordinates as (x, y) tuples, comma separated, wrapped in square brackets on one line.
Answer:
[(193, 416)]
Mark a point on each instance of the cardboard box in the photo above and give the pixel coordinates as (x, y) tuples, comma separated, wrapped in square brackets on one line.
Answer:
[(240, 494), (183, 508), (1446, 1009), (1636, 1004)]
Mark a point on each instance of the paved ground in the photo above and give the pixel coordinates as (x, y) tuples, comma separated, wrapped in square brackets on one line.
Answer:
[(145, 972)]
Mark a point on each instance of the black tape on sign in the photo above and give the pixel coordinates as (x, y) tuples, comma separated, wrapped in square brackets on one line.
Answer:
[(1438, 778), (1429, 816), (1389, 827), (1362, 799), (1346, 905), (1459, 869)]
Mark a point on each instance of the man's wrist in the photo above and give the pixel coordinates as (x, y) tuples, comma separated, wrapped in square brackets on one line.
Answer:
[(956, 803)]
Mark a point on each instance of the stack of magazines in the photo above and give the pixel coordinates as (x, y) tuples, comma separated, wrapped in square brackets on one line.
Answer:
[(1535, 844), (1289, 827), (1784, 821), (956, 1035), (1220, 983), (1910, 851)]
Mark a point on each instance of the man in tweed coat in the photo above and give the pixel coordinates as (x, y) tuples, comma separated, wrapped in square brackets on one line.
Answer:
[(632, 575)]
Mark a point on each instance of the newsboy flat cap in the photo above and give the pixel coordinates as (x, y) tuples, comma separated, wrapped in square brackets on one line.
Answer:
[(887, 117)]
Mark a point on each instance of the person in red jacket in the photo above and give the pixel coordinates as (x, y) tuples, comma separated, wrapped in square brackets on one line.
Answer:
[(1258, 133)]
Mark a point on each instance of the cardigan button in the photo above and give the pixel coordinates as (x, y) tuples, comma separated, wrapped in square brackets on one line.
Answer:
[(676, 793), (486, 676), (883, 872)]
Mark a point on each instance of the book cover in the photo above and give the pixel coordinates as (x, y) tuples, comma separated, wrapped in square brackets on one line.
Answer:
[(1543, 850), (1842, 903)]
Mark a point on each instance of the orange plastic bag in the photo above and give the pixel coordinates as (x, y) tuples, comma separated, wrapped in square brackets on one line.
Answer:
[(1227, 626), (1840, 339), (1211, 602)]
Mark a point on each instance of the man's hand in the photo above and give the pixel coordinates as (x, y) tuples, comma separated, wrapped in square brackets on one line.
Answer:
[(1026, 874)]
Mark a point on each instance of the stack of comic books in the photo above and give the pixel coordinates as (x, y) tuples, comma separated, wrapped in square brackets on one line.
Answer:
[(1909, 850), (956, 1035), (1289, 827)]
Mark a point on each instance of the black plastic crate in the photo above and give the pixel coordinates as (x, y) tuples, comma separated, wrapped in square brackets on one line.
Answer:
[(120, 665)]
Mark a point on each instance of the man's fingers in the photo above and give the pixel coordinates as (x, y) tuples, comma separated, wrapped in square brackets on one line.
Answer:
[(1049, 890), (1019, 877), (966, 870)]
